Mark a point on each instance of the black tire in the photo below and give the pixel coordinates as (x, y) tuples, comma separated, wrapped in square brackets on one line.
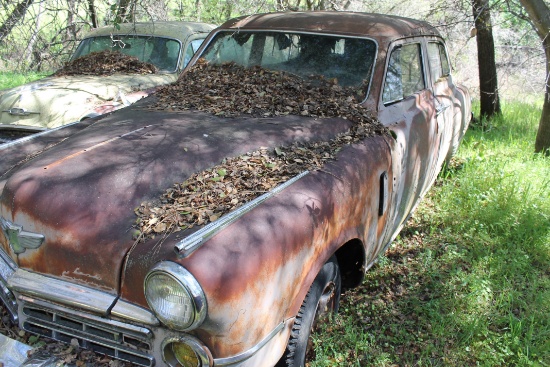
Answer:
[(321, 301)]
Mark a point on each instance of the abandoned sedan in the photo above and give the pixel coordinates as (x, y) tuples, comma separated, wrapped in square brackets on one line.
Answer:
[(95, 81), (216, 221)]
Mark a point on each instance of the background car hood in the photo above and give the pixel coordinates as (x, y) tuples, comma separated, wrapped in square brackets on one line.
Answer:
[(55, 101), (81, 194)]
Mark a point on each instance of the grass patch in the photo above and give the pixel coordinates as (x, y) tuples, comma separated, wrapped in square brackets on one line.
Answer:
[(467, 282), (10, 80)]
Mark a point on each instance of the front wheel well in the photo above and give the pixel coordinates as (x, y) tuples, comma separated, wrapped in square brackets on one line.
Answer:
[(351, 259)]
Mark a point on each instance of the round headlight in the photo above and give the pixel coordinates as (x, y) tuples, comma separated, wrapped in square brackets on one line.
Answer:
[(175, 296), (186, 351)]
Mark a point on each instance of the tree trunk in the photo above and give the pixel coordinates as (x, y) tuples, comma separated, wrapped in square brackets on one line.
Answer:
[(31, 50), (540, 15), (70, 34), (16, 15), (488, 85), (93, 14)]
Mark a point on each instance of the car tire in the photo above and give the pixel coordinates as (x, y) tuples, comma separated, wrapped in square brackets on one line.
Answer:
[(321, 301)]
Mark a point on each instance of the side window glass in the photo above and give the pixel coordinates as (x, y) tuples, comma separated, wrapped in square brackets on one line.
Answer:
[(435, 60), (445, 66), (191, 49), (404, 76), (439, 64), (195, 44)]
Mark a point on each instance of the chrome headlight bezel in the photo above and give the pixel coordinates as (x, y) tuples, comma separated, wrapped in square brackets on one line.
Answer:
[(189, 284)]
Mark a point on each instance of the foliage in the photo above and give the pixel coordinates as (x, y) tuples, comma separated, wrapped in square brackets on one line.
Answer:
[(10, 80), (467, 282)]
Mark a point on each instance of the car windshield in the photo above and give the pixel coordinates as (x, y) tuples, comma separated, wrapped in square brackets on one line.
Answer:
[(162, 52), (348, 61)]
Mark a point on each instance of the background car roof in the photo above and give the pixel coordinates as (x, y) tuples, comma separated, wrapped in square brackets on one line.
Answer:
[(382, 27), (178, 30)]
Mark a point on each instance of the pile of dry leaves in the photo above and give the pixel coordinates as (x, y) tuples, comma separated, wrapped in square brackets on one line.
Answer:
[(106, 63), (231, 90)]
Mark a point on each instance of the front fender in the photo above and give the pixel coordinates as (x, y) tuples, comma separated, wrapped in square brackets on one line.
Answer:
[(256, 272)]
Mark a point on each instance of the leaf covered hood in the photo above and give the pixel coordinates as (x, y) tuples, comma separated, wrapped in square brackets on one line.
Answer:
[(81, 194)]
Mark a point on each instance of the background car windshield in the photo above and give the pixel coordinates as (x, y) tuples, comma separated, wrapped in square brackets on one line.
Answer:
[(349, 61), (162, 52)]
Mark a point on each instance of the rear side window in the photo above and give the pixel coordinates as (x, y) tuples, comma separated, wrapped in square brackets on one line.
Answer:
[(404, 76), (191, 49), (439, 63)]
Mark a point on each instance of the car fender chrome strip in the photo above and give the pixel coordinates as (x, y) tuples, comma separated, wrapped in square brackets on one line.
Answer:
[(191, 243), (34, 136), (249, 353)]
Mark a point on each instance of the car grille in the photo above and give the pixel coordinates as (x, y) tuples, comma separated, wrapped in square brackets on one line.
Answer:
[(114, 339)]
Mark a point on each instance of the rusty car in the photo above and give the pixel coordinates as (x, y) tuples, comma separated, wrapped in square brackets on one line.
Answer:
[(85, 256), (61, 99)]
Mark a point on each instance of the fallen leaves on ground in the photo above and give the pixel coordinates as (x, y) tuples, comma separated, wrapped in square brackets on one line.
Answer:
[(230, 90), (106, 63)]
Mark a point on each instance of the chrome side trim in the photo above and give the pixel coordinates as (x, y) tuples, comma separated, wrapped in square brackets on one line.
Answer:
[(249, 353), (14, 111), (34, 136), (62, 292), (131, 312), (191, 243)]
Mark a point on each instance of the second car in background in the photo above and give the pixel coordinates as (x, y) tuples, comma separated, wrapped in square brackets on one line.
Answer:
[(66, 96)]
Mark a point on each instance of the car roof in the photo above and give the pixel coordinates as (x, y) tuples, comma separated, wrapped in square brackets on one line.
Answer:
[(178, 30), (384, 28)]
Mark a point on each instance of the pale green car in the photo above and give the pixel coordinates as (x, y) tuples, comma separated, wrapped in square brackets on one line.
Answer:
[(58, 100)]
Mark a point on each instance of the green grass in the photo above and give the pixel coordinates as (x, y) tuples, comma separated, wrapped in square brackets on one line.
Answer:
[(467, 283), (10, 80)]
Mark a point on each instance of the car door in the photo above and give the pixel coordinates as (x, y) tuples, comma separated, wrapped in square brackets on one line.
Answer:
[(406, 107), (443, 100)]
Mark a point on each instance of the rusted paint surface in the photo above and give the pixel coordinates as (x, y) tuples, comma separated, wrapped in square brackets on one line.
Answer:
[(13, 155)]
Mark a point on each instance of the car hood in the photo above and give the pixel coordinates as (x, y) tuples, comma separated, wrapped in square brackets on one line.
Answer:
[(55, 101), (81, 194)]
